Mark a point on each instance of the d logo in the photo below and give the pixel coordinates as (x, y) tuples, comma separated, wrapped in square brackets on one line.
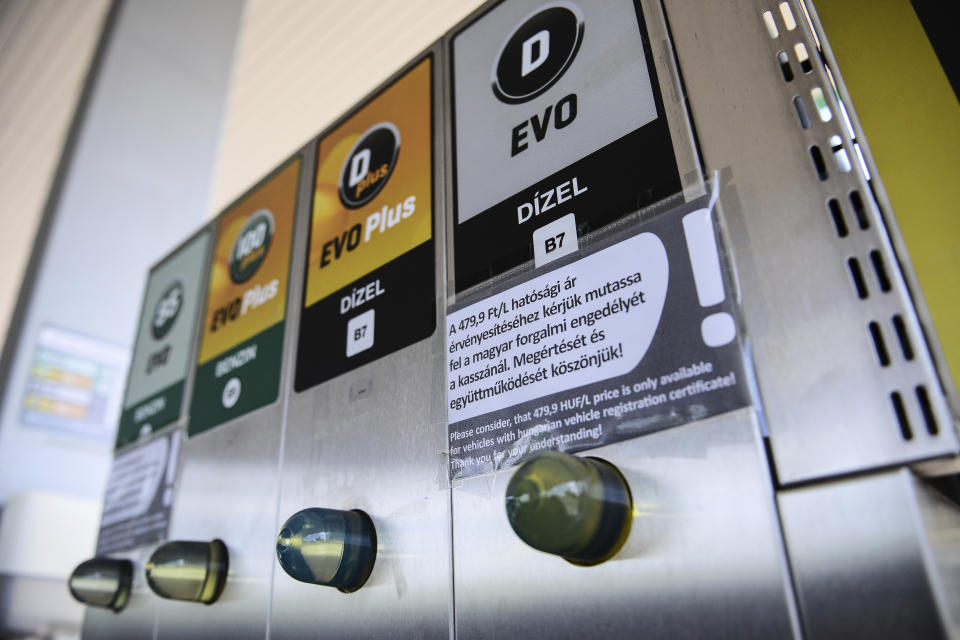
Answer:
[(538, 52), (369, 165)]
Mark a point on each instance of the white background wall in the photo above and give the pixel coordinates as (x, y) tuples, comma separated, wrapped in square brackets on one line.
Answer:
[(138, 183), (45, 51)]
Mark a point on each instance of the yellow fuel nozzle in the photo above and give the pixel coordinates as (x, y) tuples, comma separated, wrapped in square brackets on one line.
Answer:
[(576, 508), (189, 570), (102, 582)]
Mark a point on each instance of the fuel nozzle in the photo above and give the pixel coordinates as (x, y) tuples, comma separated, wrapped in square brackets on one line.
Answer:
[(189, 570), (576, 508), (102, 582), (328, 547)]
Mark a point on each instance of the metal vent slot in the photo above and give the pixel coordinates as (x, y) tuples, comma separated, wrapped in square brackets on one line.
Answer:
[(901, 413), (771, 24), (859, 284), (840, 155), (901, 328), (800, 50), (801, 112), (785, 67), (859, 210), (838, 221), (900, 364), (881, 270), (927, 410), (879, 346), (787, 14), (818, 162), (820, 102)]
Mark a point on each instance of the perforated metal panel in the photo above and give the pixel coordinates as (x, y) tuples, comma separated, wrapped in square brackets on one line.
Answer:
[(845, 374)]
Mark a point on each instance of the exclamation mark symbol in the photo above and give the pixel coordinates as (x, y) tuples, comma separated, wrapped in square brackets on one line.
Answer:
[(717, 329)]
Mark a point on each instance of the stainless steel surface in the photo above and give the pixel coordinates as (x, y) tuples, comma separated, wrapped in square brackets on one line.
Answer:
[(704, 557), (674, 101), (826, 398), (380, 452), (227, 490), (939, 527), (873, 557)]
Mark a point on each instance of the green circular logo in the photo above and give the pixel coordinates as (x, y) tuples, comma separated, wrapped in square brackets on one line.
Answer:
[(251, 246), (167, 310)]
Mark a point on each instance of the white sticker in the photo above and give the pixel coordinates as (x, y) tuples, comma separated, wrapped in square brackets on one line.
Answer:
[(360, 333), (718, 329), (582, 323), (555, 240), (704, 258), (134, 480)]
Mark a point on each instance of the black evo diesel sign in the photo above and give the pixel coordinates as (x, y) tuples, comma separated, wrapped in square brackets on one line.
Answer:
[(557, 112)]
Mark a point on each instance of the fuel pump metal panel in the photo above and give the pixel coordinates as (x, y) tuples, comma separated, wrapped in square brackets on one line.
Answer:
[(140, 618), (373, 439), (704, 557), (379, 454), (874, 557), (827, 391), (228, 490)]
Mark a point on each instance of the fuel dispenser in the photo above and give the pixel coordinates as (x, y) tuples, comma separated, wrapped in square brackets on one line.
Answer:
[(363, 464), (219, 549), (609, 321), (593, 320), (140, 490)]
